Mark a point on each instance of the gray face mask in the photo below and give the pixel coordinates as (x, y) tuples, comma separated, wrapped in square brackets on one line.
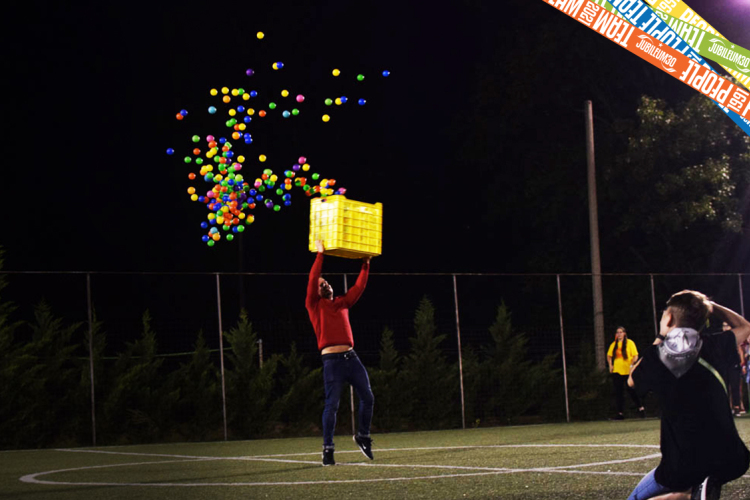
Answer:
[(679, 350)]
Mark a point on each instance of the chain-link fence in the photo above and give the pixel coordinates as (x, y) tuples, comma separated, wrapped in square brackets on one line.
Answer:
[(125, 357)]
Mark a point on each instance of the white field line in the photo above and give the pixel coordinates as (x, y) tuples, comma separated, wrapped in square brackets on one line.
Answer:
[(479, 471)]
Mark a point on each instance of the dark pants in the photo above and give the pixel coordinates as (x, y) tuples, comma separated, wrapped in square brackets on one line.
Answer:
[(620, 382), (338, 369)]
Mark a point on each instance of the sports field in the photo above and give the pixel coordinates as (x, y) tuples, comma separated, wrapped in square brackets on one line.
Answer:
[(599, 460)]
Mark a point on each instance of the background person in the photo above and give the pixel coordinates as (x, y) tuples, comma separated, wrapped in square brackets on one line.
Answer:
[(621, 355)]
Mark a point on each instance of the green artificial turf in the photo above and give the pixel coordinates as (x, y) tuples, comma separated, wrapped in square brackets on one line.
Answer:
[(529, 462)]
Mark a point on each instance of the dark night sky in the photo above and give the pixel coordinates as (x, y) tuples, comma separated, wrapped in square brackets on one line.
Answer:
[(95, 87)]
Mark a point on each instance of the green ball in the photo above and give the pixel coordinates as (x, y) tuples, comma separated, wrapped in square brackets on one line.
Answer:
[(271, 105), (199, 161), (226, 227), (188, 159), (315, 177), (295, 111), (230, 237), (276, 208), (329, 102), (240, 91), (279, 191), (360, 77), (240, 228), (262, 188), (210, 243), (196, 138)]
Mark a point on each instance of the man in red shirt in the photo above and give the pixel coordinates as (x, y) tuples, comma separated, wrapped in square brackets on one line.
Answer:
[(330, 320)]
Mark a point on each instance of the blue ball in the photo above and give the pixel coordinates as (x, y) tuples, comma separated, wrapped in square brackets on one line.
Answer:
[(286, 114), (386, 73), (361, 102), (253, 93), (229, 154), (259, 197), (204, 225), (279, 65), (240, 109), (204, 237), (343, 99), (183, 112), (287, 203), (211, 109), (202, 199), (170, 151), (248, 141), (247, 119), (222, 140)]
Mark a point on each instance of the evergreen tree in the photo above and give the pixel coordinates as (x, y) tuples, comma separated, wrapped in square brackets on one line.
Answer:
[(386, 382)]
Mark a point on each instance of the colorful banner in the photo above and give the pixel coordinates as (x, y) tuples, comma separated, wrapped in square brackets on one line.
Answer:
[(656, 43), (680, 10)]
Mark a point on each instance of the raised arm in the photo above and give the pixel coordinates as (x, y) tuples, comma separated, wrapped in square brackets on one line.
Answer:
[(355, 292), (313, 296), (740, 326)]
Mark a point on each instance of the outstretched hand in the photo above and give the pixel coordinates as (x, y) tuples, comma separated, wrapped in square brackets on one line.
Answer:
[(319, 246), (366, 260)]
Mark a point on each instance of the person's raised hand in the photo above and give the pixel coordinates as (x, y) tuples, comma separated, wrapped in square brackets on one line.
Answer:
[(319, 246)]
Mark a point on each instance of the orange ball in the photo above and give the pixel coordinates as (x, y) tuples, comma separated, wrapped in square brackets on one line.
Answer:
[(212, 144), (226, 99), (196, 151), (191, 176), (235, 135), (261, 113)]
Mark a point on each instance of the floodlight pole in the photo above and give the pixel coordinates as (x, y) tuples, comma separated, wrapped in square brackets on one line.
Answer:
[(596, 267), (460, 358), (221, 355), (562, 347)]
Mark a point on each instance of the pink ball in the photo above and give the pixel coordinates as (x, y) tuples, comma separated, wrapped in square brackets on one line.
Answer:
[(302, 159), (300, 98), (209, 138)]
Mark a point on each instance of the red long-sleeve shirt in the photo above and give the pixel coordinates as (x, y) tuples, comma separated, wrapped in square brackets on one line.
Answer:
[(330, 318)]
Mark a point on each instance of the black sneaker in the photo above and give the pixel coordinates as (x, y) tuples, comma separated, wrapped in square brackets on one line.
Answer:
[(709, 489), (328, 457), (365, 444)]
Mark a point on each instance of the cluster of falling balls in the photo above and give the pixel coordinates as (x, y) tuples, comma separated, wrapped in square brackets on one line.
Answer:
[(230, 198)]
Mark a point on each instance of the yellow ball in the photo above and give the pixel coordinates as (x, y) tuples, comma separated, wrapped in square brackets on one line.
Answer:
[(260, 35), (274, 178), (214, 91), (211, 216), (218, 178), (250, 111), (275, 66), (210, 168), (326, 118), (245, 96), (284, 93), (232, 112), (242, 215), (306, 167), (243, 126), (235, 92), (225, 209), (262, 157), (224, 90), (250, 219), (241, 159), (338, 101), (194, 197), (336, 72)]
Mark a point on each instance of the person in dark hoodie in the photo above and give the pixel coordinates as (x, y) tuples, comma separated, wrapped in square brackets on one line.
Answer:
[(701, 449)]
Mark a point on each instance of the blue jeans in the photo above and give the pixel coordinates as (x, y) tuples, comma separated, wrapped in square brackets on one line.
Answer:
[(339, 368), (648, 488)]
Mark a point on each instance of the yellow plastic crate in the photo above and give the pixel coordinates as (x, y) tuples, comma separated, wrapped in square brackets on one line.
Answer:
[(348, 228)]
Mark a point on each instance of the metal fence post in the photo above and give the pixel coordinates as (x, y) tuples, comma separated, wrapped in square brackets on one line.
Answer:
[(221, 355), (91, 357), (653, 305), (562, 343), (742, 312), (351, 389), (460, 358)]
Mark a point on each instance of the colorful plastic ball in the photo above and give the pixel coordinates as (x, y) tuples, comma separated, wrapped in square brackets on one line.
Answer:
[(211, 109), (326, 118), (296, 167), (253, 93), (230, 237), (262, 158), (191, 176), (276, 208), (240, 109), (295, 111), (205, 237), (232, 112), (199, 161), (386, 73), (213, 92), (286, 114), (249, 72), (222, 140), (328, 101), (262, 113), (183, 112), (272, 105), (170, 151), (288, 203), (336, 72), (343, 99), (338, 101), (247, 119), (260, 35), (300, 98), (195, 138), (179, 116), (302, 159), (315, 177), (360, 77), (245, 96), (188, 159), (361, 102), (226, 99), (306, 167), (204, 225), (284, 93), (196, 151)]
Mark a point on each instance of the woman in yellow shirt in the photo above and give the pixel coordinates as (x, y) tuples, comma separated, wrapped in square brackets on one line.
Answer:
[(622, 354)]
